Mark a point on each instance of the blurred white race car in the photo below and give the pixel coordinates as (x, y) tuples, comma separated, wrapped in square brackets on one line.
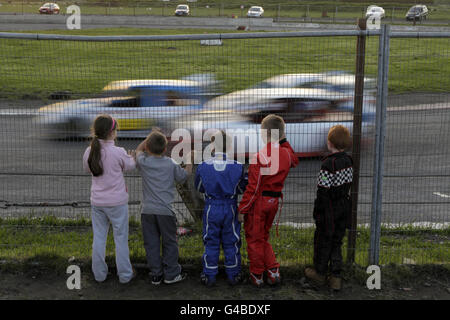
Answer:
[(308, 113), (337, 81)]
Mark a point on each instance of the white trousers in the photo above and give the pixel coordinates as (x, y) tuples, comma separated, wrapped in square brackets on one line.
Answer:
[(101, 218)]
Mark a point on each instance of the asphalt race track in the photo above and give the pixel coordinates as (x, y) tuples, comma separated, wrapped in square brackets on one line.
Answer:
[(11, 22), (416, 184)]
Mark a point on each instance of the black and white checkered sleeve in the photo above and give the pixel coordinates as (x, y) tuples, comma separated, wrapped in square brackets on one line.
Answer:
[(343, 176), (325, 179)]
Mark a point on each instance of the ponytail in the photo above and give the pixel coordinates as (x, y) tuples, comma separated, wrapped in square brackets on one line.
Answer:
[(103, 126), (94, 160)]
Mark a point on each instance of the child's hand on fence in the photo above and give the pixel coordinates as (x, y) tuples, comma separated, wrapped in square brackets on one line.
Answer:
[(188, 168), (188, 161), (132, 153)]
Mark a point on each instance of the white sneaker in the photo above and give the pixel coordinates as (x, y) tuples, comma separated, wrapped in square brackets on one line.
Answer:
[(273, 276), (180, 277)]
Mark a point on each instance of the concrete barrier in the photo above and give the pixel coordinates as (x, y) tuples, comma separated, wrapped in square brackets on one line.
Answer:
[(134, 20)]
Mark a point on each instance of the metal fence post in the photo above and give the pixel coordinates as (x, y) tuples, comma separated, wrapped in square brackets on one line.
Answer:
[(357, 128), (380, 130)]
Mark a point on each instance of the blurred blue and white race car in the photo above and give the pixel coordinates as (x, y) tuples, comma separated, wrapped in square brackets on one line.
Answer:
[(138, 105)]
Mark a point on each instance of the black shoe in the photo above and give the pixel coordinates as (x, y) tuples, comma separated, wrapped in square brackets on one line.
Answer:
[(232, 281), (207, 281), (156, 280)]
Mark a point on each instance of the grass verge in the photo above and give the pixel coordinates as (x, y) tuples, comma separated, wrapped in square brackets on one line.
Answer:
[(35, 69), (55, 243)]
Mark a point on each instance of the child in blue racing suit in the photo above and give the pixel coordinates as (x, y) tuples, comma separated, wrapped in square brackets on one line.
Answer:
[(221, 180)]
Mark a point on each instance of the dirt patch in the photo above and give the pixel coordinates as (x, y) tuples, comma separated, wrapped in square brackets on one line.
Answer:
[(399, 283)]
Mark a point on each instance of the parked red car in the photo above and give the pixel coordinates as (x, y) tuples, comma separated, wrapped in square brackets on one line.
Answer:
[(49, 8)]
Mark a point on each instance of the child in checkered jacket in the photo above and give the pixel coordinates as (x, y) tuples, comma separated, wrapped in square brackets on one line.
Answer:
[(332, 209)]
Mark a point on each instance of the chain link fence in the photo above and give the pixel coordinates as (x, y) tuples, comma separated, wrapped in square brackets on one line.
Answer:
[(53, 85), (415, 187)]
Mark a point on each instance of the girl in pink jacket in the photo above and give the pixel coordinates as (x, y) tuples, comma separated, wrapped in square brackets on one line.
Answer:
[(109, 197)]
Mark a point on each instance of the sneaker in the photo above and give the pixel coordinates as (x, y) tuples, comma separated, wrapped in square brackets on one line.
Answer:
[(207, 281), (335, 283), (131, 279), (232, 281), (313, 275), (257, 280), (156, 280), (273, 276), (180, 277)]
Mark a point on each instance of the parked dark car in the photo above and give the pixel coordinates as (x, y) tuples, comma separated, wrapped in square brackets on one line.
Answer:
[(418, 12)]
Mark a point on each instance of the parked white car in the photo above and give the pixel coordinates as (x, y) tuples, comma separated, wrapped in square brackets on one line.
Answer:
[(255, 12), (182, 10), (375, 11)]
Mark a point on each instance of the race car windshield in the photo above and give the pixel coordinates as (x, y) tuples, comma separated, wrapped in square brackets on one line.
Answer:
[(182, 8), (255, 9)]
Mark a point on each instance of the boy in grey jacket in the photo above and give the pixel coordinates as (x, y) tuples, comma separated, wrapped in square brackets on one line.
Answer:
[(159, 175)]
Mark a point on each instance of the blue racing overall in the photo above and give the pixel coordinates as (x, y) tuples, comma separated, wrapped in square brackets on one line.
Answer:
[(221, 180)]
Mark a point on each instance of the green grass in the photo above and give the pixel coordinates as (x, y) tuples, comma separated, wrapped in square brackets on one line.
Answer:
[(52, 241), (34, 69)]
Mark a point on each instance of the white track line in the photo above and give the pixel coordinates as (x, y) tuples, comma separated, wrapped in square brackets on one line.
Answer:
[(18, 112), (443, 195), (423, 224), (424, 107), (419, 107)]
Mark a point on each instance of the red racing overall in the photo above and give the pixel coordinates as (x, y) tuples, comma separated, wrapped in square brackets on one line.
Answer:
[(259, 204)]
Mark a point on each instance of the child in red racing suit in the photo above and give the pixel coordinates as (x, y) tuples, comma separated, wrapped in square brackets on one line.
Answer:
[(260, 201)]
